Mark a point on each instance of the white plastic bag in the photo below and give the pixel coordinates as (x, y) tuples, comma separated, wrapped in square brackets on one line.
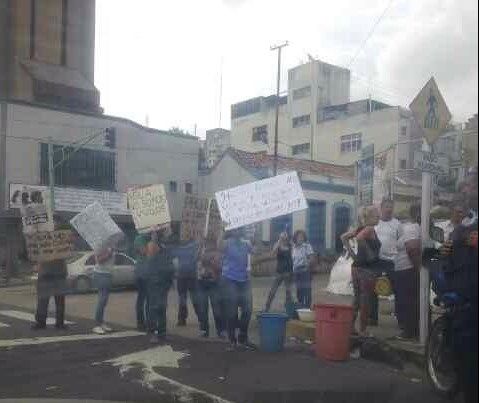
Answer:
[(340, 280)]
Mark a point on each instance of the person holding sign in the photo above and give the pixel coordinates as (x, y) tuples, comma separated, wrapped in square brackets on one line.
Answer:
[(160, 274), (236, 287), (51, 282), (209, 284), (187, 255), (303, 260), (103, 281), (141, 271)]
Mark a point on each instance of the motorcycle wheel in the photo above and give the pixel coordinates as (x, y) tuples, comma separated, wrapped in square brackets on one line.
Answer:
[(440, 362)]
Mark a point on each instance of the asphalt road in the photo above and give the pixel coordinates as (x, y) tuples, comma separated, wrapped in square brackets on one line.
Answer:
[(124, 367)]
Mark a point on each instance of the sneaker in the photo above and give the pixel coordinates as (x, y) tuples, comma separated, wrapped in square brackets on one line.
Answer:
[(99, 330), (61, 326), (107, 329), (232, 347), (204, 334), (247, 346), (158, 339), (39, 326), (221, 335), (403, 336)]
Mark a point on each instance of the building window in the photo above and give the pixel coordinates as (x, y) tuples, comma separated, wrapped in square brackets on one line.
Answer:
[(403, 164), (85, 169), (173, 187), (301, 121), (300, 93), (351, 143), (301, 149), (260, 134), (188, 188), (404, 131)]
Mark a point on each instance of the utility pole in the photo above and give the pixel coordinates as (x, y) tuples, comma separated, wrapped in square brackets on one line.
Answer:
[(279, 48)]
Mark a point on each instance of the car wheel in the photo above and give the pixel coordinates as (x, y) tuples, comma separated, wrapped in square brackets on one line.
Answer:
[(83, 285)]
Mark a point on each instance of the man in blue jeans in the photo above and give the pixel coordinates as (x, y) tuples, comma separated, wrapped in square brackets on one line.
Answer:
[(236, 288)]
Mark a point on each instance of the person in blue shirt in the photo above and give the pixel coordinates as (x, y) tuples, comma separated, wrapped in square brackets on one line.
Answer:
[(236, 287), (186, 256)]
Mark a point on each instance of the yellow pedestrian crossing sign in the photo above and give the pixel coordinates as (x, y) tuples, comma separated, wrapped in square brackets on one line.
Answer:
[(431, 111)]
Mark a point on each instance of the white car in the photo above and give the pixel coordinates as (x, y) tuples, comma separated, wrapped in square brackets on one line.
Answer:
[(81, 267)]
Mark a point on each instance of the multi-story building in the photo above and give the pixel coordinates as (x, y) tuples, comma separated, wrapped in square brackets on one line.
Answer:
[(318, 121), (47, 96), (216, 143)]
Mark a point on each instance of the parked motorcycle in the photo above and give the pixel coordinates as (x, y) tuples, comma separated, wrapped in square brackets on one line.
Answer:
[(441, 363)]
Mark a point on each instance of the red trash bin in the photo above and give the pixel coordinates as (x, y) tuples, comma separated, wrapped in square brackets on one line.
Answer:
[(333, 330)]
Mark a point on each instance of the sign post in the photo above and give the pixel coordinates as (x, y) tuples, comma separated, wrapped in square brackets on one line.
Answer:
[(433, 116)]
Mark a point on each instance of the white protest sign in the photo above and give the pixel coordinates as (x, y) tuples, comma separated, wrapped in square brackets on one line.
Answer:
[(96, 227), (149, 207), (262, 200)]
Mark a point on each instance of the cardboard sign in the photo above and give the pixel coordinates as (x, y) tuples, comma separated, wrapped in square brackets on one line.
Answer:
[(34, 206), (200, 215), (49, 246), (149, 207), (262, 200), (96, 227)]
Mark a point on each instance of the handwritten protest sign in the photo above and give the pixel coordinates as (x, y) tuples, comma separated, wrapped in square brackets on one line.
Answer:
[(34, 207), (96, 227), (200, 214), (262, 200), (149, 207), (49, 246)]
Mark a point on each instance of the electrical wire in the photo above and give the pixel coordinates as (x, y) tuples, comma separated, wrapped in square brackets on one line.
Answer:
[(371, 33)]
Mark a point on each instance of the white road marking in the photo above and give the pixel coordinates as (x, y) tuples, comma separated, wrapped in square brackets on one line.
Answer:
[(28, 317), (65, 339), (4, 325), (163, 356)]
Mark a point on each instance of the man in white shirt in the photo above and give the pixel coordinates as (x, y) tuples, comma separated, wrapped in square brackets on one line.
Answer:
[(388, 231)]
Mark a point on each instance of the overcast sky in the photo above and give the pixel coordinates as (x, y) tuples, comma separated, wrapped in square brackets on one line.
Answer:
[(163, 58)]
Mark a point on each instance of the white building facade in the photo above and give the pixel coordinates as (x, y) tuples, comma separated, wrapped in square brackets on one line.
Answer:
[(139, 156), (318, 122)]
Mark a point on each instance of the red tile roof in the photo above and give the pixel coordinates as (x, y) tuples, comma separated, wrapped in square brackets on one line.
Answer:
[(262, 160)]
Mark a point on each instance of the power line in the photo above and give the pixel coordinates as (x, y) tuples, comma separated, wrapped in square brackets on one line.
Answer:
[(371, 33)]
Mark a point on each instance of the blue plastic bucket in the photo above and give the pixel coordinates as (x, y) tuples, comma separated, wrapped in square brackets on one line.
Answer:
[(272, 331)]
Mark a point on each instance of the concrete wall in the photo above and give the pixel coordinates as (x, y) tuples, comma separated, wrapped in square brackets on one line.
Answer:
[(143, 156)]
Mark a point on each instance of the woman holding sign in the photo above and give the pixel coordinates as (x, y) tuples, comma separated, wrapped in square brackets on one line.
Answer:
[(236, 287), (103, 280)]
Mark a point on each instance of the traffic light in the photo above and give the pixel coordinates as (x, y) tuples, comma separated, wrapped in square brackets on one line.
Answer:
[(110, 137)]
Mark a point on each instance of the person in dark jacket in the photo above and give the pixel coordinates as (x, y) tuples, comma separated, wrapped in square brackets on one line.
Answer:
[(462, 278), (210, 291), (51, 283), (186, 256), (141, 248), (160, 274), (283, 253)]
